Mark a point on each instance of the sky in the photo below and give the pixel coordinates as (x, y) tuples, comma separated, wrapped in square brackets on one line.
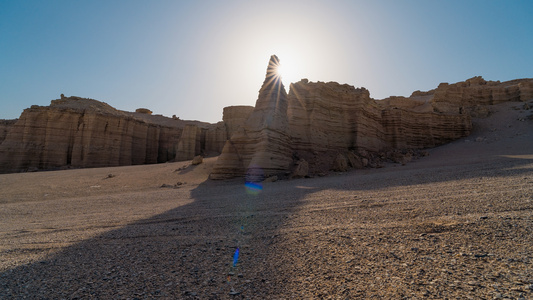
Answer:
[(193, 58)]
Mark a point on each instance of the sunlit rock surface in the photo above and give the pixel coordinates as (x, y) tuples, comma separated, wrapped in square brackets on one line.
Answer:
[(451, 98)]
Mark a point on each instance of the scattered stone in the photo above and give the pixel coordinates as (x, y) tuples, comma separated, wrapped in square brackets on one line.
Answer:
[(340, 164), (175, 186), (301, 169), (271, 179), (197, 160), (143, 111), (355, 161)]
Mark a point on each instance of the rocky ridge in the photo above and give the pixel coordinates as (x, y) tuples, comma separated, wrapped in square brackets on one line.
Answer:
[(80, 132), (314, 129), (320, 127)]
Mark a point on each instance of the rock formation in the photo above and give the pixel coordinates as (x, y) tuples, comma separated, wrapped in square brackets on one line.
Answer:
[(234, 117), (197, 160), (143, 111), (78, 132), (476, 91), (5, 126), (215, 136), (329, 126), (315, 128), (264, 140), (189, 144)]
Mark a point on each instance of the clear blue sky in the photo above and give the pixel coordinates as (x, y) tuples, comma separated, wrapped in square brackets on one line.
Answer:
[(192, 58)]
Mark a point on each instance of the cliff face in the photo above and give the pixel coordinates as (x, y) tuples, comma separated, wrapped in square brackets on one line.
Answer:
[(328, 119), (234, 117), (262, 144), (328, 126), (80, 132), (315, 128), (476, 91), (5, 126)]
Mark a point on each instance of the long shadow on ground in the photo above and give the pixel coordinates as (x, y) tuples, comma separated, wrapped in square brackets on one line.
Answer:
[(190, 251)]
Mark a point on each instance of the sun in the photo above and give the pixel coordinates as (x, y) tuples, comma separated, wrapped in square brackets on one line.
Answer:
[(279, 70), (286, 72), (286, 68)]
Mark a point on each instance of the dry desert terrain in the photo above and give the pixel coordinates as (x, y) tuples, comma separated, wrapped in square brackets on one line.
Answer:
[(457, 224)]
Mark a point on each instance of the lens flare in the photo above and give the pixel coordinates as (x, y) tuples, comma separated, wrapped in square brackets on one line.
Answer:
[(236, 257), (254, 176), (253, 188)]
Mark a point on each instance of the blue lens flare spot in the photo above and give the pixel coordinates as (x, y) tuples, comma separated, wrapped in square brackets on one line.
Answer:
[(236, 257), (254, 177), (253, 188)]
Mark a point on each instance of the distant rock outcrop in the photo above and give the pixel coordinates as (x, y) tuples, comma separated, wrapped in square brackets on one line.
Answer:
[(452, 98), (78, 132), (143, 111)]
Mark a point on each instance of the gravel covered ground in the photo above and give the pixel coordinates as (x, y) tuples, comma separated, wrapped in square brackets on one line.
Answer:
[(455, 225)]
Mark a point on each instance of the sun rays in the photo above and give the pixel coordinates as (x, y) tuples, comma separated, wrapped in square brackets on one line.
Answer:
[(273, 75)]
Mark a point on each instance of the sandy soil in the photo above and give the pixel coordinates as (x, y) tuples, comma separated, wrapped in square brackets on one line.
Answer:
[(457, 224)]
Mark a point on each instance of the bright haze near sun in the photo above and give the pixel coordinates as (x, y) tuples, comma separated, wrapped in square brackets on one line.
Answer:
[(193, 58)]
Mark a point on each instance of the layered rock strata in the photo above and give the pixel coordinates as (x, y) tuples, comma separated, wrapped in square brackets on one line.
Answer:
[(263, 143), (328, 119), (315, 128), (78, 132), (477, 91), (234, 117), (329, 126), (5, 126)]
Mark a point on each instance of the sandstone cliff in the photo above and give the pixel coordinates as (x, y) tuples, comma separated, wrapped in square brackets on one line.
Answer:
[(78, 132), (5, 126), (262, 145), (476, 91), (329, 126), (314, 128), (328, 119), (234, 117)]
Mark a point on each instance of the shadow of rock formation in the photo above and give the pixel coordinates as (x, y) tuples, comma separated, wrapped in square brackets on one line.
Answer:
[(187, 252)]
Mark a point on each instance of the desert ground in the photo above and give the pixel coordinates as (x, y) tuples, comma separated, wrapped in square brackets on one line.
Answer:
[(457, 224)]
